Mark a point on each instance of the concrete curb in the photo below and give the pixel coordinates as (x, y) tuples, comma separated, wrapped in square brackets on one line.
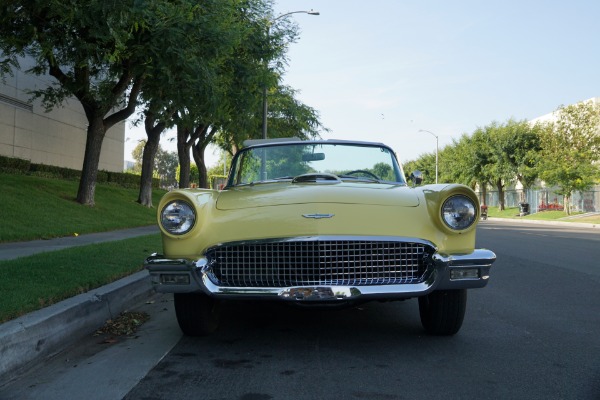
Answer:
[(566, 224), (41, 334)]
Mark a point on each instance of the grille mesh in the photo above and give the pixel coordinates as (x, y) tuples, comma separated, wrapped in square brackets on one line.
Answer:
[(323, 262)]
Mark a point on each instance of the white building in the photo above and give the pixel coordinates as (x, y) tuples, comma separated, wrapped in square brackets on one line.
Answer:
[(54, 138), (552, 117)]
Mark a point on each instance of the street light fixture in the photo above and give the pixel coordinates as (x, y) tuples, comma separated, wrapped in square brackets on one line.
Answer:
[(265, 105), (436, 152)]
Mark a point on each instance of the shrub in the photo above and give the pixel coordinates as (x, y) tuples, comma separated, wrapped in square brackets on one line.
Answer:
[(25, 167), (14, 165)]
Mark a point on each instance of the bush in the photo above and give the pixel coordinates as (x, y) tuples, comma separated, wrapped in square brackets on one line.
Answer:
[(14, 165), (51, 171), (25, 167), (124, 179)]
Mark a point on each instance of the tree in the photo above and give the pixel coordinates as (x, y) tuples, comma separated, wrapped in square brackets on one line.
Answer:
[(497, 167), (166, 167), (138, 155), (235, 112), (457, 162), (237, 76), (100, 53), (425, 164), (570, 149), (191, 80), (469, 161), (151, 147), (192, 172), (523, 151), (289, 117)]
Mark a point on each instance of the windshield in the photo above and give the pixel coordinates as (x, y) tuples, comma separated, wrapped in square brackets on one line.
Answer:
[(348, 162)]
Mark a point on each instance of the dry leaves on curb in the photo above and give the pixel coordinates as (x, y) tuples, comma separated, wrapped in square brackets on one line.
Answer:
[(126, 324)]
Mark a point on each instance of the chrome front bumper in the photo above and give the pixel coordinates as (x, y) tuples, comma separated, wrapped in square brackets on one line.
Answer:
[(458, 271)]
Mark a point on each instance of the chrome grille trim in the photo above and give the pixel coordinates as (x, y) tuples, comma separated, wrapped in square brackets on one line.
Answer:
[(336, 261)]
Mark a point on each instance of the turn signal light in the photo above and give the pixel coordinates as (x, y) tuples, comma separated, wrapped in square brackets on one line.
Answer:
[(175, 279), (464, 273)]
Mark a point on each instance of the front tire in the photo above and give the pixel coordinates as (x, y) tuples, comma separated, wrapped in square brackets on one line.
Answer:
[(442, 311), (197, 314)]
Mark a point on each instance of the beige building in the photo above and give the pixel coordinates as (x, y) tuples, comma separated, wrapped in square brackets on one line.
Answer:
[(54, 138)]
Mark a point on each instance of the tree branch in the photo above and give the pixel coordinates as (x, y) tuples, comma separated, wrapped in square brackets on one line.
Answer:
[(126, 112)]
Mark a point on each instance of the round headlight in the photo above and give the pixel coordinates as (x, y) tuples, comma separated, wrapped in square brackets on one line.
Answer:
[(177, 217), (458, 212)]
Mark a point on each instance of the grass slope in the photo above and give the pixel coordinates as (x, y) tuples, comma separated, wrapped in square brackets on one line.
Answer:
[(42, 208)]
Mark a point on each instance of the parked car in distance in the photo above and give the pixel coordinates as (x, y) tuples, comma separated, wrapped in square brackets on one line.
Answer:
[(319, 223)]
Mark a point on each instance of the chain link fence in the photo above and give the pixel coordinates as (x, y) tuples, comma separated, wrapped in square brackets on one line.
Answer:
[(545, 199)]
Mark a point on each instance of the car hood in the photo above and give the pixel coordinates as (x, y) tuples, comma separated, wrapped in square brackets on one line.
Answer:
[(285, 193)]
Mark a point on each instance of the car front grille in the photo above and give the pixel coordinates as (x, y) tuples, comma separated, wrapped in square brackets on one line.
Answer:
[(318, 262)]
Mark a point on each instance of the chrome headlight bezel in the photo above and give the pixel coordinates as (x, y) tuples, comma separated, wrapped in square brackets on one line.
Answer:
[(178, 217), (459, 212)]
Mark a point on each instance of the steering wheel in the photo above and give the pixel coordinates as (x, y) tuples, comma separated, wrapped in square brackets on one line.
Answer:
[(362, 171)]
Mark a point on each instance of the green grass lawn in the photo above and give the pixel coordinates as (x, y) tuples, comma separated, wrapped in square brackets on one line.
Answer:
[(43, 208), (30, 283)]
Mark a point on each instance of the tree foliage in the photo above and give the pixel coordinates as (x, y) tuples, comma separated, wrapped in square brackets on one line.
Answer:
[(257, 61), (200, 65), (495, 155), (425, 164), (99, 52), (571, 149)]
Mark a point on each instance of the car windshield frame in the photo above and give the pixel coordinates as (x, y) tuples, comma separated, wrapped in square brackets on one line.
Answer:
[(251, 164)]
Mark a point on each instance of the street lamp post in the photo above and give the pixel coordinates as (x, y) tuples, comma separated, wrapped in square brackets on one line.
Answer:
[(265, 105), (436, 152)]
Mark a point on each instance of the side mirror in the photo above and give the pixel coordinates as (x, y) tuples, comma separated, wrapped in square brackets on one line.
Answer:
[(416, 177)]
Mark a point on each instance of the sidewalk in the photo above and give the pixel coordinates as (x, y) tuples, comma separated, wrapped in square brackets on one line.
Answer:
[(10, 251), (34, 337)]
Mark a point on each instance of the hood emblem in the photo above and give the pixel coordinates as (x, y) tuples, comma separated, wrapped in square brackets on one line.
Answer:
[(318, 216)]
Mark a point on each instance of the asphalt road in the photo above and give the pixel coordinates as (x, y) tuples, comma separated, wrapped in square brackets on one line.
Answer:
[(532, 333)]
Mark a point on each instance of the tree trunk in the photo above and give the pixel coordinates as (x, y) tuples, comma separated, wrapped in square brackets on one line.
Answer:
[(500, 187), (183, 153), (150, 150), (567, 203), (198, 153), (89, 172), (204, 136), (484, 194)]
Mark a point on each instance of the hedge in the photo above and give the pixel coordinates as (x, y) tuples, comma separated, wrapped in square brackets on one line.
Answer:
[(25, 167)]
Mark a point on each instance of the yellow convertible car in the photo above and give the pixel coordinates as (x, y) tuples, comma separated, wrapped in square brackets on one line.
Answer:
[(319, 223)]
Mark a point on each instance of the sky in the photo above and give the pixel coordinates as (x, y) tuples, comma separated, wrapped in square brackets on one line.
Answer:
[(382, 70)]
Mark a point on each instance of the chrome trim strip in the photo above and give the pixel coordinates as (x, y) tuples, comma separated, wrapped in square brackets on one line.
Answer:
[(321, 293), (328, 237)]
